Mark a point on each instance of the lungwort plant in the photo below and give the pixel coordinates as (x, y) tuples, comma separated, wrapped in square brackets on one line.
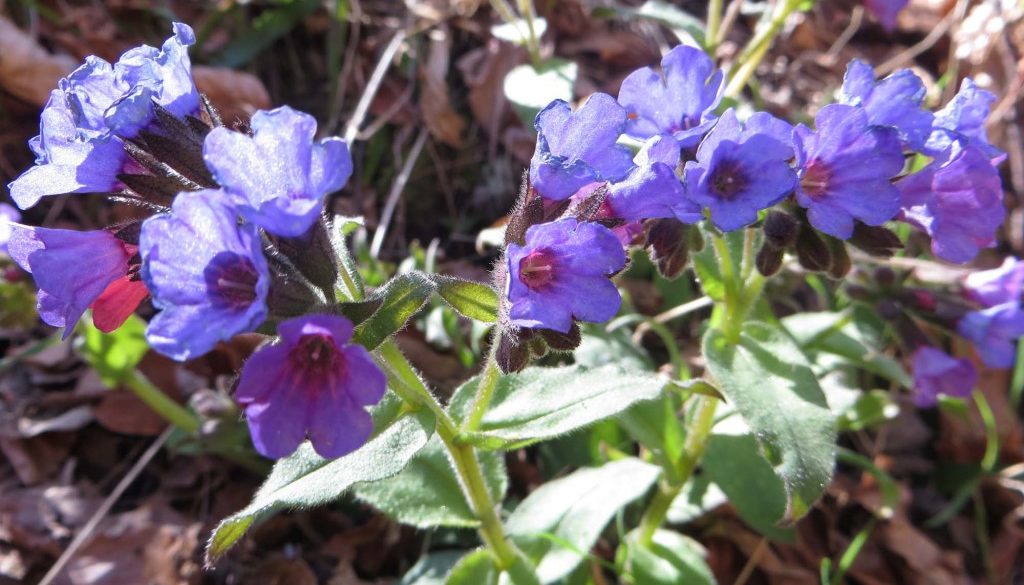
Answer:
[(234, 239)]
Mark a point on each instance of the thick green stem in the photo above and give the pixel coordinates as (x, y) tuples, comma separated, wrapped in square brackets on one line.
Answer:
[(714, 22), (407, 384), (154, 398), (693, 449), (485, 389)]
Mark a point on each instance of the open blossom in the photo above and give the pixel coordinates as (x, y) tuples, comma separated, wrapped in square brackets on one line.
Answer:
[(279, 176), (576, 148), (206, 272), (75, 270), (998, 285), (679, 101), (895, 101), (844, 168), (936, 373), (957, 200), (994, 332), (963, 121), (740, 171), (886, 11), (314, 384), (79, 148), (562, 273)]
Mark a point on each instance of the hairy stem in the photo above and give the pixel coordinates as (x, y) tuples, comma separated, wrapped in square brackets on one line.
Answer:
[(485, 389), (154, 398)]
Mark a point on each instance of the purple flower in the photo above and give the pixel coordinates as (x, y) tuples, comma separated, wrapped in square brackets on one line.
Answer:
[(577, 148), (119, 98), (561, 274), (312, 384), (72, 270), (651, 191), (957, 200), (998, 285), (886, 11), (739, 172), (937, 373), (679, 102), (8, 217), (278, 177), (845, 167), (894, 102), (206, 272), (994, 331), (963, 120)]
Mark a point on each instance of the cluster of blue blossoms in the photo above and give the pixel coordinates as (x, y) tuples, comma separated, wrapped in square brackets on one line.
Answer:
[(236, 217)]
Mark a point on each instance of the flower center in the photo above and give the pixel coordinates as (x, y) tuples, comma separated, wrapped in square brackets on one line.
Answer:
[(537, 269), (231, 280), (814, 179), (728, 180), (317, 355)]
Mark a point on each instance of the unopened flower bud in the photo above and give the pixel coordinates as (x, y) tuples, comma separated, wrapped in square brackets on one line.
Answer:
[(780, 229), (812, 251), (858, 293), (668, 241), (512, 356), (769, 259), (841, 264), (885, 277), (876, 240), (562, 341)]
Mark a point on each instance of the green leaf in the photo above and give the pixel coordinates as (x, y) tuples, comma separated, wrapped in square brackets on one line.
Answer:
[(698, 497), (559, 522), (599, 347), (735, 464), (657, 426), (767, 379), (870, 409), (402, 297), (476, 568), (305, 479), (672, 559), (270, 25), (471, 299), (432, 568), (114, 355), (427, 493), (531, 89), (542, 403)]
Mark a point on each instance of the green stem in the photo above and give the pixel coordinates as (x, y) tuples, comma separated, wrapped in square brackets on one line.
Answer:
[(485, 389), (407, 384), (154, 398), (693, 450), (758, 47), (714, 22), (732, 322)]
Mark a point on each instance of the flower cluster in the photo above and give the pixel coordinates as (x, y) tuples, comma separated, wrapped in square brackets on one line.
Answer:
[(660, 158), (236, 217)]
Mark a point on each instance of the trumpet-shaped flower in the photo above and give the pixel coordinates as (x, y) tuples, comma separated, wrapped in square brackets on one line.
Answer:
[(206, 272), (740, 171), (994, 332), (957, 200), (998, 285), (279, 176), (895, 102), (312, 384), (679, 101), (886, 11), (963, 121), (936, 373), (562, 273), (576, 148), (845, 167)]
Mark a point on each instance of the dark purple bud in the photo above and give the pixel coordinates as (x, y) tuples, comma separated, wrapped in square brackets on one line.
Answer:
[(668, 241), (512, 356), (885, 277), (562, 341), (812, 251), (769, 259), (780, 229), (841, 264), (876, 240)]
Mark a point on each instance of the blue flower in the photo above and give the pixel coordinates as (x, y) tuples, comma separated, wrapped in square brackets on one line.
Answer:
[(895, 102), (845, 168), (279, 176), (73, 270), (679, 102), (206, 272), (886, 11), (936, 373), (957, 200), (740, 171), (998, 285), (994, 332), (577, 148), (314, 384), (561, 274), (963, 121)]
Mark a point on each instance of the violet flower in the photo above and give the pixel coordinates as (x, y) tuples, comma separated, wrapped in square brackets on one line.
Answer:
[(994, 332), (562, 273), (740, 171), (957, 200), (937, 373), (886, 11), (576, 148), (844, 168), (963, 121), (998, 285), (314, 384), (73, 270), (679, 101), (895, 101), (206, 272), (279, 176)]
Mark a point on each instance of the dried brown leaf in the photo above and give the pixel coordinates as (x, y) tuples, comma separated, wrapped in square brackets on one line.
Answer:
[(444, 123), (27, 70)]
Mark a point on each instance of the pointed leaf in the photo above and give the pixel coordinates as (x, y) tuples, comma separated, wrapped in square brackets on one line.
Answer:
[(672, 559), (402, 297), (471, 299)]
